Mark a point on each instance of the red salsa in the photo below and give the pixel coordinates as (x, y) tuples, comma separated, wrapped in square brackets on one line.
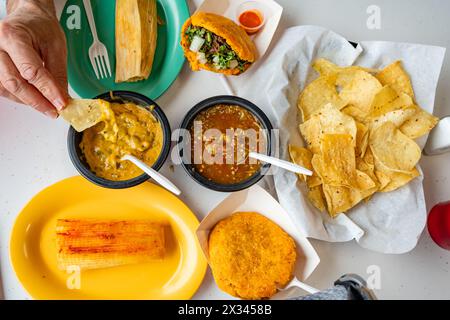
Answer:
[(250, 20), (221, 139)]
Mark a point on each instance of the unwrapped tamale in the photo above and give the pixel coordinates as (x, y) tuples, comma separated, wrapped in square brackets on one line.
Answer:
[(95, 244)]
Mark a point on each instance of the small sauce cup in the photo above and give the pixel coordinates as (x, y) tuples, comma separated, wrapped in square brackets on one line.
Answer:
[(250, 16)]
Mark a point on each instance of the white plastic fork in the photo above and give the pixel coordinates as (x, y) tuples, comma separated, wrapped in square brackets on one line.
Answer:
[(98, 54)]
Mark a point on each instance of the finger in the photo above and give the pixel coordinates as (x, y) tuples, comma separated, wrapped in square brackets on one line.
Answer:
[(31, 68), (12, 81), (55, 60), (5, 94)]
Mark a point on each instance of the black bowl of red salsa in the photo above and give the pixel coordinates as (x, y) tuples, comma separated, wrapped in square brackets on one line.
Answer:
[(215, 139)]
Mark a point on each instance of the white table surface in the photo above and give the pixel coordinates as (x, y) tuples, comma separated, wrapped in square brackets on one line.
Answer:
[(33, 153)]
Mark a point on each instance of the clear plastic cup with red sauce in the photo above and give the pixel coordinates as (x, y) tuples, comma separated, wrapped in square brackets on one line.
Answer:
[(250, 16)]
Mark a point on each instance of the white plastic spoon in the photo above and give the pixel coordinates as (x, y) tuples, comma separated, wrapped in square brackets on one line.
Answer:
[(280, 163), (155, 175)]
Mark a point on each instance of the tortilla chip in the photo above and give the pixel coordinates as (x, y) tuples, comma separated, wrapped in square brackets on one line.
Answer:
[(368, 158), (317, 94), (360, 91), (315, 195), (397, 117), (399, 179), (318, 166), (388, 100), (356, 114), (391, 180), (383, 179), (382, 100), (395, 76), (362, 139), (314, 180), (393, 149), (325, 67), (311, 132), (367, 166), (402, 101), (340, 199), (334, 121), (364, 181), (85, 113), (364, 166), (328, 120), (302, 157), (367, 186), (419, 124), (338, 167)]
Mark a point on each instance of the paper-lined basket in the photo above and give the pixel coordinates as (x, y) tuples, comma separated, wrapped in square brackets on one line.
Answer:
[(256, 199), (228, 8)]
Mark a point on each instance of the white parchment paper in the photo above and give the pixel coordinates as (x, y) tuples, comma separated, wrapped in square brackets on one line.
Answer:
[(390, 222)]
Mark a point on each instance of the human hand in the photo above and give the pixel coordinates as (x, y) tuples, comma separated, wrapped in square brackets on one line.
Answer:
[(33, 56)]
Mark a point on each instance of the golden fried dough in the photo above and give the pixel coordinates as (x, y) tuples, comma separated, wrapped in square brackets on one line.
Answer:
[(223, 27), (250, 256)]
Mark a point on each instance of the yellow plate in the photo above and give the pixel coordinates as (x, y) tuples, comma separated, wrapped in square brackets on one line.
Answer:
[(33, 249)]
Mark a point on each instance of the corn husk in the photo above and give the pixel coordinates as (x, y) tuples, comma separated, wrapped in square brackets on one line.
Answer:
[(136, 38)]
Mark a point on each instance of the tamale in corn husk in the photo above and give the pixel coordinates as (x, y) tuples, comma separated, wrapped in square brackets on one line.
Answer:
[(136, 37)]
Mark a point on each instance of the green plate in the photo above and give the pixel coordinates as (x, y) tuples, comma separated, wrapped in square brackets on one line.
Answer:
[(169, 56)]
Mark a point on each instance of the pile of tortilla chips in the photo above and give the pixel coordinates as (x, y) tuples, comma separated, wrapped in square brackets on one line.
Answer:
[(359, 125)]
